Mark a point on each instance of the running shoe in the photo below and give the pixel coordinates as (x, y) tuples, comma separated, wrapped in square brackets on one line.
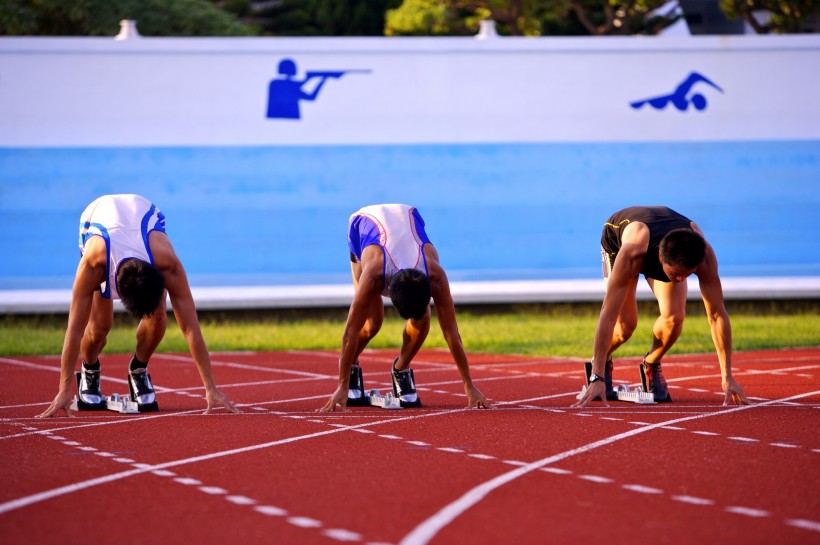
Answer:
[(142, 391), (404, 387), (356, 395), (653, 381), (90, 397), (611, 394)]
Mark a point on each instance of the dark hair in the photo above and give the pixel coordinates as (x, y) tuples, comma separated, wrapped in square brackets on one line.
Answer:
[(410, 292), (140, 286), (683, 248)]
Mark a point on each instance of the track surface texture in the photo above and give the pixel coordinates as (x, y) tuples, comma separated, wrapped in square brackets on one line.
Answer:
[(531, 470)]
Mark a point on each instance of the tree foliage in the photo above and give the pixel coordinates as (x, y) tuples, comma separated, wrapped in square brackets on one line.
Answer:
[(526, 17), (313, 17), (778, 16), (102, 18)]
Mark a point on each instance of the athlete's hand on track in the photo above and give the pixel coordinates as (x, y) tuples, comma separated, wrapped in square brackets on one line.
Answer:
[(734, 393), (595, 390), (216, 398), (476, 400), (339, 398), (62, 401)]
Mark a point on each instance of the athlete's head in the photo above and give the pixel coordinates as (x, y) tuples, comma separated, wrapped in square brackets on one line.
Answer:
[(140, 286), (681, 251), (410, 293)]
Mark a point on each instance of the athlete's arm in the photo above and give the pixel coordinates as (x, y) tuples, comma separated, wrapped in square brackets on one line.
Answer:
[(446, 316), (368, 280), (721, 329), (182, 303), (628, 264), (90, 274)]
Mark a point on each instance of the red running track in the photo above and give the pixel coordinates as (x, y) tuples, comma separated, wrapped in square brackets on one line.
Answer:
[(532, 470)]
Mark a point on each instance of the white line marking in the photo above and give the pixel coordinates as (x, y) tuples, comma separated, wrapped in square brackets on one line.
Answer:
[(784, 445), (304, 522), (747, 511), (804, 524), (213, 490), (482, 456), (595, 479), (556, 470), (642, 489), (240, 500), (342, 535), (188, 481), (693, 500), (424, 532), (141, 468), (743, 439), (270, 510)]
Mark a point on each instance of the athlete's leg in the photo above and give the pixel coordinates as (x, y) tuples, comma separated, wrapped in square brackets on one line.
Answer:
[(671, 298), (150, 332), (627, 318), (96, 331), (375, 315), (413, 337)]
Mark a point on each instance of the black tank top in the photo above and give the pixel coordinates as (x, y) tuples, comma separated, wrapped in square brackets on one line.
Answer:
[(659, 219)]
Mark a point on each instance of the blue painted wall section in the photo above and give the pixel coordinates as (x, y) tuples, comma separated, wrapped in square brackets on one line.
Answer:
[(278, 215)]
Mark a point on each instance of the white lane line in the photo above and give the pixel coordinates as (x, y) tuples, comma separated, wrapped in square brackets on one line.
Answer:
[(424, 532), (596, 479), (693, 500), (642, 489), (748, 511), (804, 524), (145, 468), (270, 510), (241, 500), (342, 535)]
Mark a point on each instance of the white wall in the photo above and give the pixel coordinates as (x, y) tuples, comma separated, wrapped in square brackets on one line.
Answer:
[(175, 92)]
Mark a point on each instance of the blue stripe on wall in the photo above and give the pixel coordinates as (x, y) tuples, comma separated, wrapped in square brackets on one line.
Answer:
[(278, 215)]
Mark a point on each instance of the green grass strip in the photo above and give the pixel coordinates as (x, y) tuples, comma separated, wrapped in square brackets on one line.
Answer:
[(537, 330)]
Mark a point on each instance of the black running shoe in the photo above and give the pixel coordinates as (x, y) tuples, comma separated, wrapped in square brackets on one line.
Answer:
[(404, 387), (654, 382), (90, 396), (142, 391), (611, 394), (356, 395)]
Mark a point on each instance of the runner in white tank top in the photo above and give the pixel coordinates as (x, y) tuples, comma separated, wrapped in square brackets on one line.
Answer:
[(398, 229), (123, 222), (126, 234), (391, 255)]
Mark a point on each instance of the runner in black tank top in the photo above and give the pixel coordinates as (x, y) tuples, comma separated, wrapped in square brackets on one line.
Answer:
[(659, 219), (666, 247)]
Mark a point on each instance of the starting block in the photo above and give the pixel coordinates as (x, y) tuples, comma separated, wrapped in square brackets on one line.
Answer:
[(635, 396), (625, 394), (122, 403), (387, 401), (117, 403)]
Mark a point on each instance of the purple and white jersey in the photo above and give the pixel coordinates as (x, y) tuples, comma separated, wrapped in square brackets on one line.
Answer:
[(398, 229), (124, 222)]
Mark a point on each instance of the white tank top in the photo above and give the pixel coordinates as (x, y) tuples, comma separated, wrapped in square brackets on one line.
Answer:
[(124, 222), (398, 237)]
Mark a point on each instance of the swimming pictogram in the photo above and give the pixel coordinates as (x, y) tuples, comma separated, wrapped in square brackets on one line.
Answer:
[(681, 97)]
